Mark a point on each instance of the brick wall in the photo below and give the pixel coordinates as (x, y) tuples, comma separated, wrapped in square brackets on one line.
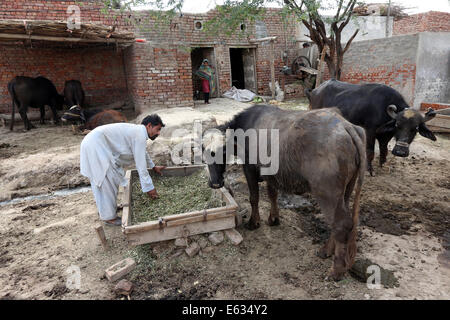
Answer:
[(156, 74), (390, 61), (429, 21), (57, 10), (100, 70), (163, 77)]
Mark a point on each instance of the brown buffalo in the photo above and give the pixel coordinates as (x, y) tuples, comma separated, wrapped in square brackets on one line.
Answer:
[(319, 152), (92, 118)]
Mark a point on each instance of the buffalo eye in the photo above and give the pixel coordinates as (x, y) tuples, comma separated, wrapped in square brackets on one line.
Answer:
[(213, 154)]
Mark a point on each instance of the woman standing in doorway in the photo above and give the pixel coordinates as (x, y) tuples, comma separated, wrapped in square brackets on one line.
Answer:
[(206, 73)]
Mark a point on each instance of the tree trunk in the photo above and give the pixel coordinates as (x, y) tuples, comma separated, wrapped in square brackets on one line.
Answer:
[(332, 68)]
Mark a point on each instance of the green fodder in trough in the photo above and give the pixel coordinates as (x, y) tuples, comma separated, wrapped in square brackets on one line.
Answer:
[(176, 195)]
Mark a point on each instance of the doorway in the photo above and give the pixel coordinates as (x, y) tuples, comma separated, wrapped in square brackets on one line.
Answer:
[(197, 56), (243, 75)]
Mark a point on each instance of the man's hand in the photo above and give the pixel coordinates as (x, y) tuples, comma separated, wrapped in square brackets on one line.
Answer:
[(159, 169), (153, 194)]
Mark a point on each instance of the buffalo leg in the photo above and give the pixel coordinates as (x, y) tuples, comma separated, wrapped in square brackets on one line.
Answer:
[(274, 219), (370, 150), (55, 113), (42, 110), (23, 114), (383, 141), (251, 174), (335, 211), (11, 125), (328, 248)]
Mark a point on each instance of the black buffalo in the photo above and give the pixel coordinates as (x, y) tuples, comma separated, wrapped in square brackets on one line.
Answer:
[(73, 93), (379, 109), (319, 152), (35, 93)]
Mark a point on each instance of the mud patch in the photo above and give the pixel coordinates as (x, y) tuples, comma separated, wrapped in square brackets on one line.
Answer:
[(175, 283), (360, 269), (37, 206), (57, 291), (384, 217)]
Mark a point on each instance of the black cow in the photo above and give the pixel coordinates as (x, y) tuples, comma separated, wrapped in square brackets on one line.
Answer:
[(319, 152), (379, 109), (73, 93), (35, 93)]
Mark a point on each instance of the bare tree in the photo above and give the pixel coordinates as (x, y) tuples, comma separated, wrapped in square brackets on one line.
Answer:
[(308, 13)]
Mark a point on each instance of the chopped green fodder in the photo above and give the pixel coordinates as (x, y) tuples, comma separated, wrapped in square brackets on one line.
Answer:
[(176, 195)]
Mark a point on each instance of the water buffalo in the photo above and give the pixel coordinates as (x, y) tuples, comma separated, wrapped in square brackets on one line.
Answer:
[(73, 93), (319, 152), (379, 109), (36, 93), (92, 118)]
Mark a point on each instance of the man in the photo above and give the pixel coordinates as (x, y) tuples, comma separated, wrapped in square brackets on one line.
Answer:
[(106, 150)]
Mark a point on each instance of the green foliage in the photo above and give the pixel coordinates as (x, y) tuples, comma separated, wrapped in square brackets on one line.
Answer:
[(232, 14)]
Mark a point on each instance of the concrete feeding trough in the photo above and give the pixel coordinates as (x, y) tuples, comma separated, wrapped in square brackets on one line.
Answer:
[(177, 225)]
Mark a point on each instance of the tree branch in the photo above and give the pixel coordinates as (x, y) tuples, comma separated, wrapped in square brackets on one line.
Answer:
[(350, 41), (349, 15)]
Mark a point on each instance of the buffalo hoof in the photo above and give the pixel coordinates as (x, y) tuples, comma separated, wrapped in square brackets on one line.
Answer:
[(337, 276), (323, 254), (252, 226), (274, 222)]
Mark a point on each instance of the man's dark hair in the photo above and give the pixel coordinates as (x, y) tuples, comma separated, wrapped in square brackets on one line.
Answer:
[(154, 119)]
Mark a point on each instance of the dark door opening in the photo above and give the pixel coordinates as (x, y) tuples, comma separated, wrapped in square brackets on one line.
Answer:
[(197, 56), (243, 72), (237, 68)]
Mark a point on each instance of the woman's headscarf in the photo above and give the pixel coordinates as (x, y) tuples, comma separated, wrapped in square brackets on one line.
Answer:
[(206, 72)]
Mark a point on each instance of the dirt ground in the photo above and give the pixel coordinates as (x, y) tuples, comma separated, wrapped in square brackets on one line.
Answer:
[(404, 228)]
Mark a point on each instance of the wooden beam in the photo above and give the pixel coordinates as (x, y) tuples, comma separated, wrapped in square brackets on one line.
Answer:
[(101, 235), (176, 231), (262, 39), (60, 39), (308, 70)]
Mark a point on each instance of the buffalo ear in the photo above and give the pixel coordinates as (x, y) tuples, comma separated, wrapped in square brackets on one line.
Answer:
[(425, 132), (388, 127)]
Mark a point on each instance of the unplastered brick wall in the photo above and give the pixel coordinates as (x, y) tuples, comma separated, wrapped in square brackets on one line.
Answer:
[(390, 61), (100, 70), (90, 11), (429, 21), (158, 76), (158, 73), (150, 90)]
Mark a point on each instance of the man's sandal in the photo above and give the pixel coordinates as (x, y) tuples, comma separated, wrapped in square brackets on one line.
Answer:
[(115, 222)]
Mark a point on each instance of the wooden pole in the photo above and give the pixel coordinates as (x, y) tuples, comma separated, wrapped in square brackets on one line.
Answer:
[(101, 235), (319, 73), (272, 67), (61, 39)]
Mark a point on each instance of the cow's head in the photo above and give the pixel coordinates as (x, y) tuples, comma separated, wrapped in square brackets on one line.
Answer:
[(214, 153), (405, 125), (74, 114)]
